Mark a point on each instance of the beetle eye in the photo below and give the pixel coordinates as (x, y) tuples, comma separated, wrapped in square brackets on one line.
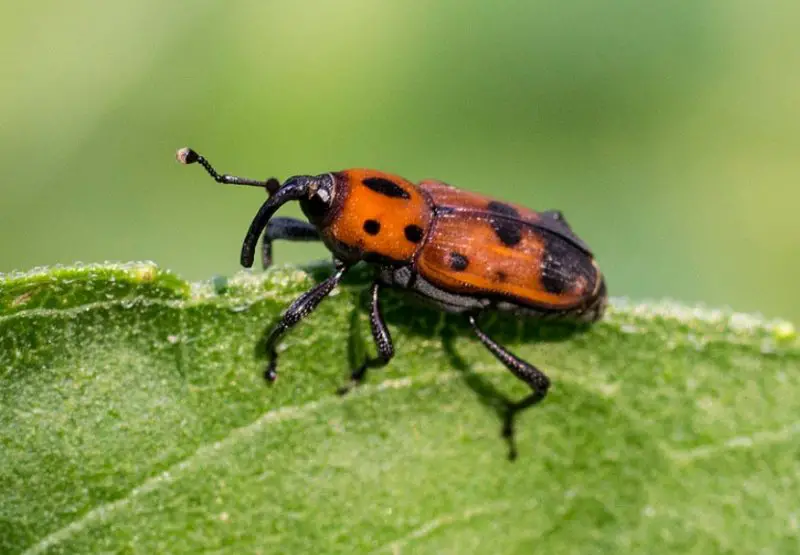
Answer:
[(319, 200), (322, 195)]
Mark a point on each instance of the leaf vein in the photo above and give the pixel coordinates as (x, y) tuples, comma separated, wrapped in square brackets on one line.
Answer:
[(742, 442), (396, 547)]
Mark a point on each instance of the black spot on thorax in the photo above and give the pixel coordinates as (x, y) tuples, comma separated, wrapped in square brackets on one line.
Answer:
[(372, 227), (385, 187), (413, 233)]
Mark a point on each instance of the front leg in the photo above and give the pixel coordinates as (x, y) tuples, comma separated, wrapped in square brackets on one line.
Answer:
[(286, 229), (299, 309)]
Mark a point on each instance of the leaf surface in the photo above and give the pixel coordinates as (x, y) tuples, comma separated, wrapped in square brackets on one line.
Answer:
[(134, 418)]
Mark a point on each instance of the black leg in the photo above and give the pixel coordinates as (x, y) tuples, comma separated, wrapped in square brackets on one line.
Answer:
[(526, 372), (287, 229), (381, 335), (299, 309)]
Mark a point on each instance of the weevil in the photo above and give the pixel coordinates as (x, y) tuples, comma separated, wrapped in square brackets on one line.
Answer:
[(462, 252)]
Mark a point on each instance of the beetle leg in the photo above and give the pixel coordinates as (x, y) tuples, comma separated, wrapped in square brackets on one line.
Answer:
[(381, 336), (287, 229), (525, 371), (299, 309)]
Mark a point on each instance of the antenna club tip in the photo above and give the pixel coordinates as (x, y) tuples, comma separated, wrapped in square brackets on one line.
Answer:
[(186, 156)]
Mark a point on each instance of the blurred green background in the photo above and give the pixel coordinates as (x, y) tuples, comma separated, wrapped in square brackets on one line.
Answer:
[(667, 132)]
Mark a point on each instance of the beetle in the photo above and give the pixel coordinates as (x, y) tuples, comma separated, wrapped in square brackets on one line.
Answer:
[(462, 252)]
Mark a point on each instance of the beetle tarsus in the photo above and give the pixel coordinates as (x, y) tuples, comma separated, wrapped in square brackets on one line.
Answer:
[(271, 373)]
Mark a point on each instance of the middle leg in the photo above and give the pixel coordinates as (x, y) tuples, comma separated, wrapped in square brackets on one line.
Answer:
[(381, 336)]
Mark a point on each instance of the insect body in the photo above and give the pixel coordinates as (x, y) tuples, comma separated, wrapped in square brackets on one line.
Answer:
[(462, 252)]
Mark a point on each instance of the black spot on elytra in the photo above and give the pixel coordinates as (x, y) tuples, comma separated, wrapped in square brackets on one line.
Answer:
[(508, 231), (385, 187), (563, 265), (501, 276), (372, 227), (503, 209), (458, 261), (553, 283), (506, 225), (413, 233)]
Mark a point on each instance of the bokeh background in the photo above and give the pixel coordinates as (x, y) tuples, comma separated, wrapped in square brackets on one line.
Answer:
[(668, 132)]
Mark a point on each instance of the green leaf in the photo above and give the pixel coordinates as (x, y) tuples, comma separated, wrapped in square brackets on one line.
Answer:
[(134, 418)]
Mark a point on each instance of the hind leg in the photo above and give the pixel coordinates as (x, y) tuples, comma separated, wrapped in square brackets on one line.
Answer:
[(535, 378)]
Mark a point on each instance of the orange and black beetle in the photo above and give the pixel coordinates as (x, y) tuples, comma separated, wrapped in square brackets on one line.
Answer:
[(462, 252)]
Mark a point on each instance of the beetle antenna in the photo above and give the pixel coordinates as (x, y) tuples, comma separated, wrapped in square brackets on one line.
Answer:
[(188, 156), (293, 189)]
